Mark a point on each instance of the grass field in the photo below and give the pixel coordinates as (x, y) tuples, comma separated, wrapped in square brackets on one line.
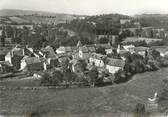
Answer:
[(103, 101)]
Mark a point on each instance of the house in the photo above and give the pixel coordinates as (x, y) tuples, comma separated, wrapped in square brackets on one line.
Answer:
[(130, 48), (91, 48), (163, 50), (62, 57), (108, 48), (97, 59), (74, 48), (79, 44), (142, 50), (76, 66), (48, 52), (124, 54), (124, 21), (52, 62), (15, 56), (75, 55), (84, 52), (63, 49), (114, 65), (31, 64)]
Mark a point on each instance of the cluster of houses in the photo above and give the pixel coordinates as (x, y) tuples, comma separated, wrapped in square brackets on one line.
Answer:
[(148, 32), (26, 59)]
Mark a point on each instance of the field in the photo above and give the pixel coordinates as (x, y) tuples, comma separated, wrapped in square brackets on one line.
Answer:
[(116, 100), (136, 39)]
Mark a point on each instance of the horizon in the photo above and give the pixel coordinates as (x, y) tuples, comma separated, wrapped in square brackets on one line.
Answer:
[(92, 7), (143, 13)]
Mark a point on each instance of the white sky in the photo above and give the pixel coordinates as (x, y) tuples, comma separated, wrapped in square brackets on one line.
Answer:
[(89, 7)]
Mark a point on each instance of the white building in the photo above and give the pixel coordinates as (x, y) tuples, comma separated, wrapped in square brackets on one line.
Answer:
[(63, 49), (130, 48), (114, 65)]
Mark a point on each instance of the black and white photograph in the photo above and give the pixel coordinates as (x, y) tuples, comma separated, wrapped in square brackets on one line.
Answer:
[(83, 58)]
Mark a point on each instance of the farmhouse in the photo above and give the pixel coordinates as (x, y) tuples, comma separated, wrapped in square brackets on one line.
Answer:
[(49, 52), (77, 66), (107, 47), (31, 64), (124, 54), (124, 21), (142, 50), (97, 59), (14, 57), (114, 65), (163, 50), (130, 48), (63, 49), (84, 52)]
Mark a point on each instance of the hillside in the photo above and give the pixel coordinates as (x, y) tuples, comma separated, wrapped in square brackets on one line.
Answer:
[(155, 20), (28, 16), (90, 102)]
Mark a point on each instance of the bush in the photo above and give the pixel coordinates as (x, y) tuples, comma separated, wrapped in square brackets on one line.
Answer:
[(140, 110), (163, 62), (163, 96), (52, 79), (120, 77)]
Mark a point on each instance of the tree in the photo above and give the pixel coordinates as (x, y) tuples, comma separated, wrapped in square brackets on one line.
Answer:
[(57, 76), (93, 76), (52, 78), (101, 50), (3, 38), (103, 40), (140, 110)]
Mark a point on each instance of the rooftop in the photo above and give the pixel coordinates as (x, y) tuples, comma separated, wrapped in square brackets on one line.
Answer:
[(32, 60), (115, 62), (98, 56)]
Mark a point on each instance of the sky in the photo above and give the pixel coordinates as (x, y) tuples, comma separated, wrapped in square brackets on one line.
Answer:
[(89, 7)]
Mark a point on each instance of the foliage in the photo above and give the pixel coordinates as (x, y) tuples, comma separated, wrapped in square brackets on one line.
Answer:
[(162, 61), (93, 75), (103, 40), (156, 43), (137, 43), (120, 77), (140, 110), (101, 50), (52, 78), (163, 95)]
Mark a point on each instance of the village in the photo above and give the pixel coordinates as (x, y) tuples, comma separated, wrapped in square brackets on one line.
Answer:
[(83, 58), (90, 64)]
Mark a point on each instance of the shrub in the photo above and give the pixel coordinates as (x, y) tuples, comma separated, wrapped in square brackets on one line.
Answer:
[(163, 62), (52, 79), (120, 77), (163, 95), (140, 110)]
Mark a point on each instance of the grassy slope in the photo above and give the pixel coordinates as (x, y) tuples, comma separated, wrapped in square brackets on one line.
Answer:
[(86, 101)]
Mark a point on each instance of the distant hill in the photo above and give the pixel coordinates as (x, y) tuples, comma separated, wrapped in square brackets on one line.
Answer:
[(28, 16), (151, 15), (155, 20), (17, 12)]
